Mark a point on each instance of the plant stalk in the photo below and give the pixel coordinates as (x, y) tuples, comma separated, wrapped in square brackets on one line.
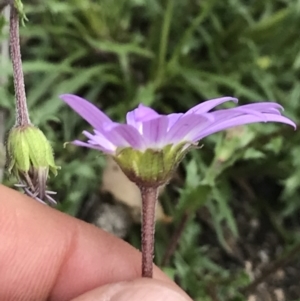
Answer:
[(22, 116), (4, 57), (149, 200)]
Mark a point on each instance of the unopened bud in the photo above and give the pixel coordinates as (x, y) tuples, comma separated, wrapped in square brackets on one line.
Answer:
[(29, 158)]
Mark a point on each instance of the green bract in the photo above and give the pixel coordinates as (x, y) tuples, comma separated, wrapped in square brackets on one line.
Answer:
[(27, 148), (153, 167)]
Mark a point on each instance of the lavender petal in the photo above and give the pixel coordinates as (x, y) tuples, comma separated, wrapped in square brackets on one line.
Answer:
[(241, 120), (186, 126), (89, 145), (86, 110), (173, 118), (210, 104), (100, 140), (125, 135), (264, 106), (141, 113), (155, 130)]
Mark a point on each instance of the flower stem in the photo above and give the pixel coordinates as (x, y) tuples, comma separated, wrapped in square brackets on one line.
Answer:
[(149, 200), (22, 116)]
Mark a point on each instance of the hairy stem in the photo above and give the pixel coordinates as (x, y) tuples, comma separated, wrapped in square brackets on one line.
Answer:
[(22, 116), (149, 200), (4, 58)]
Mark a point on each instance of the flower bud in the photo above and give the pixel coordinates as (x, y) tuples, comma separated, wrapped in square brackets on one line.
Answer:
[(29, 158)]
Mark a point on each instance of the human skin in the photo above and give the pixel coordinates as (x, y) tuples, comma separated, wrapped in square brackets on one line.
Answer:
[(48, 255)]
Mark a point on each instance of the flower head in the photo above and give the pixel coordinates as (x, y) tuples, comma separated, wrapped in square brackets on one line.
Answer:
[(161, 141)]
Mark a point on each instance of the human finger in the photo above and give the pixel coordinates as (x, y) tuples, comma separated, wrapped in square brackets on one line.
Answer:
[(136, 290), (47, 255)]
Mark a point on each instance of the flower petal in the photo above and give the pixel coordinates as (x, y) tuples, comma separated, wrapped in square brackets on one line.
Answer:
[(173, 118), (247, 111), (101, 140), (241, 120), (210, 104), (252, 109), (124, 135), (86, 110), (265, 107), (131, 120), (141, 113), (88, 145), (146, 128), (186, 126), (155, 130)]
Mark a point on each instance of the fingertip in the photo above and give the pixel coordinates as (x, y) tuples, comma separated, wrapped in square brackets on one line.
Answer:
[(139, 289)]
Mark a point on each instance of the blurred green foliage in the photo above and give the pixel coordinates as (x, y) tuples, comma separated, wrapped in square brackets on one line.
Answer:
[(172, 55)]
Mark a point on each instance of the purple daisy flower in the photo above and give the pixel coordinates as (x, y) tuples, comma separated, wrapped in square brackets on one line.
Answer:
[(146, 129), (149, 146)]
